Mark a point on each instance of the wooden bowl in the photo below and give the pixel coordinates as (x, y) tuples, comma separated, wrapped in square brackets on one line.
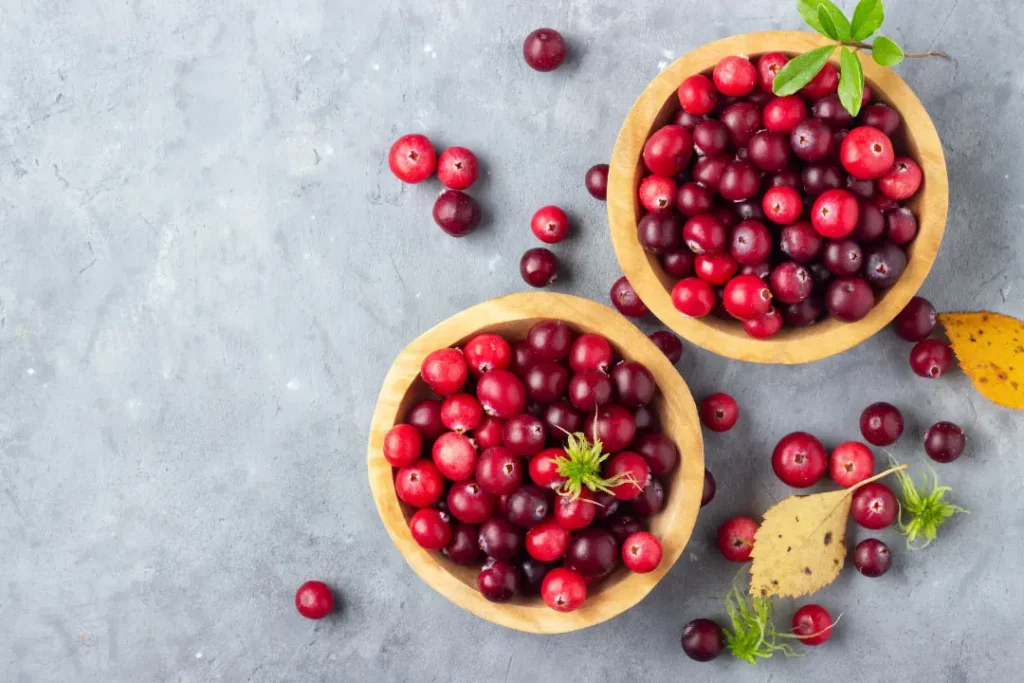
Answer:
[(916, 138), (511, 316)]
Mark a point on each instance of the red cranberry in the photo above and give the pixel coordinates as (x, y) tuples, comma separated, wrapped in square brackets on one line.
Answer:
[(870, 224), (402, 445), (589, 389), (544, 49), (693, 199), (498, 581), (916, 321), (425, 416), (551, 339), (849, 299), (708, 171), (742, 120), (843, 257), (463, 548), (749, 210), (901, 226), (412, 158), (807, 312), (539, 267), (881, 424), (884, 264), (645, 418), (812, 624), (626, 300), (883, 203), (661, 454), (931, 358), (851, 463), (866, 153), (659, 231), (501, 393), (761, 270), (528, 506), (768, 67), (669, 344), (560, 418), (641, 552), (461, 413), (782, 114), (596, 181), (874, 506), (678, 262), (830, 110), (944, 442), (736, 538), (703, 640), (499, 471), (782, 205), (651, 500), (791, 283), (419, 484), (563, 590), (819, 178), (751, 242), (545, 382), (769, 151), (430, 529), (614, 427), (739, 181), (485, 352), (708, 494), (550, 224), (547, 541), (657, 193), (523, 358), (824, 83), (314, 599), (592, 553), (469, 503), (500, 539), (686, 119), (800, 242), (872, 558), (768, 325), (634, 384), (544, 468), (622, 526), (444, 371), (902, 180), (457, 168), (799, 460), (881, 117), (734, 76), (711, 138), (668, 150), (693, 297), (862, 189), (719, 412), (697, 95), (811, 140), (704, 234), (456, 213), (747, 297), (524, 435), (590, 352), (576, 514), (835, 213)]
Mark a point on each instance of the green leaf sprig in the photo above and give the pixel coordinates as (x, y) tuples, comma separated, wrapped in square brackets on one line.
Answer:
[(925, 507), (581, 466), (828, 20)]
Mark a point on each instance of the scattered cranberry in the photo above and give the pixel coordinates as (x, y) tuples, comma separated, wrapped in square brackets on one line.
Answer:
[(800, 242), (708, 493), (791, 283), (693, 297), (425, 416), (667, 152), (539, 267), (659, 231), (734, 76), (782, 205), (550, 224), (872, 558), (657, 193), (402, 445), (412, 158), (866, 153), (456, 213), (782, 114), (563, 590), (874, 506), (430, 529), (812, 624), (719, 412), (626, 300), (590, 352), (931, 358), (544, 49), (824, 83), (811, 140), (596, 181), (768, 67), (916, 321), (592, 553), (882, 117), (464, 548), (419, 484), (843, 257), (944, 442), (835, 213), (641, 552), (881, 424), (498, 581), (314, 599), (635, 472), (697, 95), (851, 463), (768, 325), (703, 640), (849, 299), (501, 393), (901, 226), (799, 459), (736, 538), (669, 344), (884, 264), (457, 168)]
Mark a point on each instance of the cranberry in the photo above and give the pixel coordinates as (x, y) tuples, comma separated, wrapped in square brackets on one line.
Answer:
[(430, 528), (849, 299), (659, 231), (884, 264), (711, 138), (761, 270), (851, 463), (872, 558), (944, 442), (835, 213), (782, 205), (469, 503), (457, 168), (661, 454), (697, 95), (747, 297), (883, 203), (800, 242), (704, 234), (686, 119), (768, 325), (866, 153), (902, 180), (402, 445), (635, 473), (716, 269), (824, 83), (916, 321), (819, 178), (863, 189), (811, 140), (736, 538), (678, 262), (314, 599), (419, 484), (551, 339), (742, 120), (901, 226), (830, 110), (544, 468), (750, 243), (881, 117), (881, 424), (499, 471), (528, 506), (782, 114), (807, 312), (693, 199), (870, 224), (812, 624), (463, 547), (461, 413), (539, 267), (931, 358), (425, 416), (626, 299), (456, 213), (669, 344), (719, 412), (614, 427), (545, 382), (739, 181), (874, 506), (651, 500), (641, 552), (592, 553), (444, 371), (596, 181), (524, 435), (645, 419), (560, 418), (485, 352), (498, 581), (791, 283), (589, 389), (769, 151), (734, 76), (533, 573), (708, 171), (563, 590), (708, 494), (634, 384), (843, 257), (749, 210), (576, 514), (500, 539), (623, 526), (544, 49), (668, 150), (703, 640), (412, 158), (693, 297), (523, 358), (547, 541), (590, 352), (550, 224), (657, 193), (501, 393), (799, 460), (768, 67)]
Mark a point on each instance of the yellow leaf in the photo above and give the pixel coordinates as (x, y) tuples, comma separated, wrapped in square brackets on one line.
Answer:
[(990, 348)]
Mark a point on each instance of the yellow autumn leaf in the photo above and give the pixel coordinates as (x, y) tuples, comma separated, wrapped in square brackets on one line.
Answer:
[(990, 348)]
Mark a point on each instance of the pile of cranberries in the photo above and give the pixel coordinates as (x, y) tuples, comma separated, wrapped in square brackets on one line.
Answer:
[(775, 210), (480, 464)]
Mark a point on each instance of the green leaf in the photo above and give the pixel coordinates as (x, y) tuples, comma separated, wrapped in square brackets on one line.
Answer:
[(800, 70), (809, 11), (885, 52), (851, 81), (867, 18), (828, 27), (839, 21)]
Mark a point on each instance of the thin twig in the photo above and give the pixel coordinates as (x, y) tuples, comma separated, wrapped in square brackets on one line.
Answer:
[(908, 55)]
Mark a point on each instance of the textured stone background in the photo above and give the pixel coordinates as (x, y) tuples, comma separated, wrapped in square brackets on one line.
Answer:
[(206, 269)]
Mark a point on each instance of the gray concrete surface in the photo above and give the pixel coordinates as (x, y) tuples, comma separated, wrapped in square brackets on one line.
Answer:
[(206, 270)]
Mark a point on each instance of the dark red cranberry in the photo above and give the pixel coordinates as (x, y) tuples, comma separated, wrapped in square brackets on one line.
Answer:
[(686, 119), (811, 140), (634, 383), (739, 181), (884, 265), (787, 177), (469, 503), (596, 181), (830, 110), (613, 426), (523, 434), (533, 573), (499, 470), (661, 454), (769, 151), (692, 199), (592, 552), (678, 262), (544, 49), (750, 243), (872, 558), (651, 500), (500, 538), (456, 213), (703, 640), (800, 242), (901, 226), (464, 547), (426, 417), (822, 276), (589, 389), (870, 224), (705, 234), (843, 257), (862, 189), (726, 215), (560, 417), (881, 424), (931, 358), (626, 299), (622, 526), (659, 231), (791, 283), (545, 382), (916, 321), (645, 419), (749, 210), (944, 442), (708, 171), (812, 624), (880, 116), (539, 267), (849, 299), (807, 312), (590, 352), (708, 493), (742, 120), (551, 339), (668, 150), (523, 358), (498, 581), (669, 345), (818, 178), (528, 506), (711, 137)]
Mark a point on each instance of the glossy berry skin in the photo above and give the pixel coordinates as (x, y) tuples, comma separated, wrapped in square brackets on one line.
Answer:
[(702, 640), (768, 66), (596, 181), (634, 384), (874, 506), (544, 49), (711, 138), (851, 463), (791, 283), (866, 153), (750, 242), (488, 434), (812, 624), (425, 416), (782, 205), (884, 264), (549, 224), (708, 171), (545, 382), (457, 168), (900, 225), (902, 180), (314, 600), (710, 487), (835, 214), (657, 193), (693, 199), (461, 413), (747, 297), (739, 181), (641, 552), (499, 471), (719, 412), (769, 151), (500, 538), (487, 351), (636, 470), (419, 484), (532, 572), (661, 454), (782, 114), (669, 344), (819, 178), (456, 213), (455, 456), (645, 419), (736, 538), (614, 426), (678, 262), (693, 297), (592, 552), (402, 445), (430, 529), (668, 150), (734, 76), (576, 514), (501, 393), (821, 85), (716, 269), (469, 503), (807, 312), (498, 581), (444, 371), (944, 442), (800, 242), (880, 116), (849, 299), (704, 234), (589, 389), (544, 468), (870, 224), (590, 352), (563, 590), (686, 119), (811, 140), (523, 358), (626, 300), (539, 267), (916, 321), (931, 358), (768, 325), (697, 95), (622, 526), (799, 460), (464, 548), (881, 424), (659, 231), (843, 257), (412, 158), (830, 110), (547, 541), (872, 558)]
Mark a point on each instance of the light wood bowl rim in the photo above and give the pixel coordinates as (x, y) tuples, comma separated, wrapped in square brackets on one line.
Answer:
[(673, 525), (792, 345)]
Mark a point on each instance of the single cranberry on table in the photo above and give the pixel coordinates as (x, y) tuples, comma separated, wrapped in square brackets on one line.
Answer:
[(693, 297), (736, 538), (657, 193), (812, 624), (626, 300), (457, 168), (563, 590), (719, 412), (539, 267), (463, 548), (916, 321), (881, 424), (499, 471), (592, 552), (708, 493), (851, 463), (549, 224), (782, 114), (669, 344), (835, 213), (456, 213), (419, 484), (799, 460), (430, 529), (697, 95), (866, 153), (704, 234), (884, 264), (710, 138), (880, 116), (544, 49), (425, 416), (739, 181), (498, 581), (872, 558), (596, 181), (641, 552), (469, 503), (576, 514), (849, 299), (768, 325), (702, 640), (412, 158), (768, 67), (811, 140), (590, 352), (545, 382), (931, 358), (944, 442), (501, 393), (791, 283), (901, 225), (782, 205), (444, 371), (314, 600), (613, 425), (659, 231), (874, 506), (633, 472), (402, 445), (668, 150), (734, 76)]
